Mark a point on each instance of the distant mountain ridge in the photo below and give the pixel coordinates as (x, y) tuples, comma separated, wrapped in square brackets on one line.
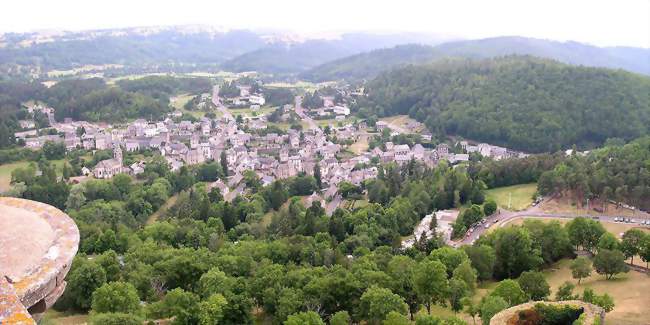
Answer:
[(174, 47), (368, 65), (297, 58)]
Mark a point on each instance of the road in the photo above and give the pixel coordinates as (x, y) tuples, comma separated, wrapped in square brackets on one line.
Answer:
[(301, 112), (217, 103), (502, 216), (332, 205)]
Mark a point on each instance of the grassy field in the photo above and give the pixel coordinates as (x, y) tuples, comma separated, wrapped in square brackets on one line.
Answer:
[(59, 318), (360, 146), (400, 121), (244, 112), (629, 291), (178, 103), (522, 196), (6, 169), (568, 205)]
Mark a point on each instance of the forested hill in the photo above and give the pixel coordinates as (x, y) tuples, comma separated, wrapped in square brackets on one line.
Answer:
[(520, 102), (368, 65), (282, 58)]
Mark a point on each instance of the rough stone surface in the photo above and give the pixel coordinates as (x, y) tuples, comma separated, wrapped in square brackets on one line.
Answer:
[(592, 311), (37, 245)]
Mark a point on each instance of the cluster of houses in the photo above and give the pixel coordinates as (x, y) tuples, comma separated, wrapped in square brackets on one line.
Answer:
[(247, 98), (272, 156), (330, 108), (492, 151)]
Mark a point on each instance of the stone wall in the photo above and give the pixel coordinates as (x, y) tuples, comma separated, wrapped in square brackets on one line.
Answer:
[(592, 311)]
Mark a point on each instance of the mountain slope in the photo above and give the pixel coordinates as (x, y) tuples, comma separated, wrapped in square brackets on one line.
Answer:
[(523, 103), (368, 65), (132, 49), (296, 58)]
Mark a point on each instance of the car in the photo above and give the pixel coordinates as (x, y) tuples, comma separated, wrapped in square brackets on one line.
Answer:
[(632, 221), (615, 219), (487, 225), (628, 220)]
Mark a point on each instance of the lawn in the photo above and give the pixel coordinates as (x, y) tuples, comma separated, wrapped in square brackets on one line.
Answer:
[(516, 197), (6, 169), (60, 318), (178, 103), (360, 146), (401, 121)]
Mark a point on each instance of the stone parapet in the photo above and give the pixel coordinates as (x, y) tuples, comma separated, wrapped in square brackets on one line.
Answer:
[(37, 245)]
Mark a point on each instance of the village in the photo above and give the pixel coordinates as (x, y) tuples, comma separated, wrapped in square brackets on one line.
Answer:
[(240, 143)]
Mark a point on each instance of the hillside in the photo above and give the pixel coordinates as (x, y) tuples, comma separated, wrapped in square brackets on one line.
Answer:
[(520, 102), (126, 47), (368, 65), (295, 58)]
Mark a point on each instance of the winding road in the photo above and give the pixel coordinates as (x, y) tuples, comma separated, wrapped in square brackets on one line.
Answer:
[(502, 216)]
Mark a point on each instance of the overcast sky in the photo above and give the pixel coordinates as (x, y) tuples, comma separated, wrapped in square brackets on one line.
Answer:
[(599, 22)]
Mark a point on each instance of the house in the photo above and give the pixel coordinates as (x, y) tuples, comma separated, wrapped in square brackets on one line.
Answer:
[(194, 157), (381, 125), (109, 167)]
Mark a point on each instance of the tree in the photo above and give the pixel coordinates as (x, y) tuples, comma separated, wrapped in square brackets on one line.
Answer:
[(211, 311), (585, 233), (305, 318), (489, 207), (179, 304), (510, 291), (450, 257), (458, 290), (534, 285), (644, 251), (515, 252), (116, 297), (565, 292), (631, 243), (110, 262), (608, 241), (490, 306), (483, 258), (467, 274), (470, 308), (376, 303), (395, 318), (76, 198), (580, 268), (83, 281), (610, 263), (318, 177), (430, 282), (213, 282), (400, 269), (223, 160), (340, 318)]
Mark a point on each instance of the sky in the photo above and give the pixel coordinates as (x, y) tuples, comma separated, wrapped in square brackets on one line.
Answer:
[(597, 22)]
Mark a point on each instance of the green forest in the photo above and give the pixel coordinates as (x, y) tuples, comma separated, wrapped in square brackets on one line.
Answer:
[(523, 103)]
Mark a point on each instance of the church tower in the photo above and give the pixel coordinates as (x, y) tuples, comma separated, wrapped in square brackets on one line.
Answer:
[(117, 154)]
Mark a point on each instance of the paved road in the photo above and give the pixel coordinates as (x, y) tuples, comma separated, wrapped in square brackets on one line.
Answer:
[(504, 215), (301, 112), (217, 102), (332, 205)]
